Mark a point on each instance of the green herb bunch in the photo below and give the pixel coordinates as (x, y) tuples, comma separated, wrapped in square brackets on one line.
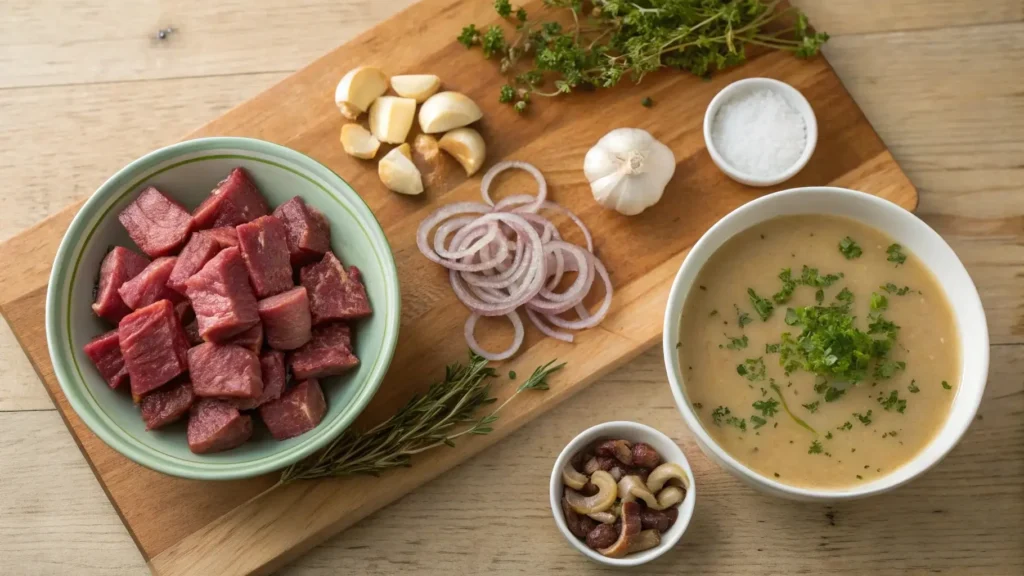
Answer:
[(606, 40), (447, 411)]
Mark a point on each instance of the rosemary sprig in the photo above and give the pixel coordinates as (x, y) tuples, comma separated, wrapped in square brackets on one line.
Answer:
[(608, 39), (446, 412)]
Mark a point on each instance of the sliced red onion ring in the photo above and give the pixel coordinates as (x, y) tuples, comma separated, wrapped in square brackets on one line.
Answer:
[(542, 185), (517, 340), (505, 255)]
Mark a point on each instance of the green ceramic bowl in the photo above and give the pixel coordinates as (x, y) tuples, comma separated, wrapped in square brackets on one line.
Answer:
[(187, 172)]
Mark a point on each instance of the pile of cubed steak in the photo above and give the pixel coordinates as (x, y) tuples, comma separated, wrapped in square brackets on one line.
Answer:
[(228, 297)]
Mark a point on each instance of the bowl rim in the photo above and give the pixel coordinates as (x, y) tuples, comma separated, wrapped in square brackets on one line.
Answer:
[(134, 175), (806, 111), (686, 508), (670, 330)]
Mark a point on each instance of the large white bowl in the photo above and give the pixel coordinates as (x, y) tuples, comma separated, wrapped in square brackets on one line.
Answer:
[(904, 228)]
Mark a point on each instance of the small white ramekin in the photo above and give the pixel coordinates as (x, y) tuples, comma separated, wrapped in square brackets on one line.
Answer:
[(921, 241), (792, 96), (634, 432)]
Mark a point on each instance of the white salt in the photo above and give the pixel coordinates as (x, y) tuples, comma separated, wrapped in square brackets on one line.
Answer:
[(759, 133)]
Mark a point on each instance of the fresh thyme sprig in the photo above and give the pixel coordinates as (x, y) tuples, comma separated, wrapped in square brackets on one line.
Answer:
[(446, 412), (608, 39)]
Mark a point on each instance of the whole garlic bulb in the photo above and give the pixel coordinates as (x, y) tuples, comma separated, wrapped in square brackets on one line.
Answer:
[(628, 170)]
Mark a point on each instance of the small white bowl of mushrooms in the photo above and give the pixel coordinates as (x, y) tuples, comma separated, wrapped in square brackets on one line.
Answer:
[(622, 493)]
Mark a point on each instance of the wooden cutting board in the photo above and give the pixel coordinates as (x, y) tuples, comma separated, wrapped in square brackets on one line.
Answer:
[(192, 527)]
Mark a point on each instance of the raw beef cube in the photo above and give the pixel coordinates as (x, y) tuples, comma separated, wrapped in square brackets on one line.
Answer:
[(167, 405), (183, 310), (286, 319), (222, 298), (296, 412), (201, 248), (105, 352), (329, 353), (119, 266), (234, 201), (224, 371), (264, 248), (272, 369), (216, 425), (251, 339), (225, 236), (150, 285), (153, 345), (309, 234), (334, 293), (157, 224)]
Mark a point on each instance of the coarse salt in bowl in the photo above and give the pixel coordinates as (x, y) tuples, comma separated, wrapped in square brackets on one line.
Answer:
[(752, 129)]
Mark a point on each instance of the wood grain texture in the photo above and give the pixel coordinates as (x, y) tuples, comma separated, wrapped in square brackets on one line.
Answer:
[(960, 143), (642, 254)]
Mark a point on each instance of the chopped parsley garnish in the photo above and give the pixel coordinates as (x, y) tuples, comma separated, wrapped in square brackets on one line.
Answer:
[(713, 313), (828, 435), (772, 348), (859, 477), (895, 252), (810, 277), (698, 405), (742, 318), (740, 423), (893, 402), (946, 385), (811, 407), (879, 301), (849, 248), (833, 393), (788, 285), (913, 387), (845, 296), (819, 296), (647, 102), (719, 414), (892, 289), (865, 419), (815, 448), (890, 434), (511, 374), (846, 426), (767, 407), (757, 421), (880, 325), (762, 306), (737, 343), (752, 369), (886, 370), (830, 346)]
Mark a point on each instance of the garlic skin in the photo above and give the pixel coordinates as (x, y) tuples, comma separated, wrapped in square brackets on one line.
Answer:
[(628, 170)]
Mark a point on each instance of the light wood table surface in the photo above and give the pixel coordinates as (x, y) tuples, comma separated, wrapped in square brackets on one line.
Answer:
[(87, 86)]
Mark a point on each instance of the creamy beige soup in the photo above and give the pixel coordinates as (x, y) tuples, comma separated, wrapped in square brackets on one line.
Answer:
[(847, 410)]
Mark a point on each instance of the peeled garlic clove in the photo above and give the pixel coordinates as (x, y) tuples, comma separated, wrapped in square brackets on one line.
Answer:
[(358, 89), (391, 118), (446, 111), (419, 87), (358, 142), (467, 146), (398, 173)]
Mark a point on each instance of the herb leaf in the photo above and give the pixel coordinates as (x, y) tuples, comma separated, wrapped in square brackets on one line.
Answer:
[(893, 402), (762, 306), (752, 369), (878, 301), (913, 387), (815, 448), (846, 426), (737, 343), (742, 318), (946, 385), (757, 421), (788, 286), (865, 419), (718, 414), (849, 248), (895, 252), (767, 407), (892, 289), (811, 407), (810, 277)]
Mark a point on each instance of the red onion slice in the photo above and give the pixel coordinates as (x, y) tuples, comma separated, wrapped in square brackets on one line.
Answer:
[(517, 340), (542, 185)]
